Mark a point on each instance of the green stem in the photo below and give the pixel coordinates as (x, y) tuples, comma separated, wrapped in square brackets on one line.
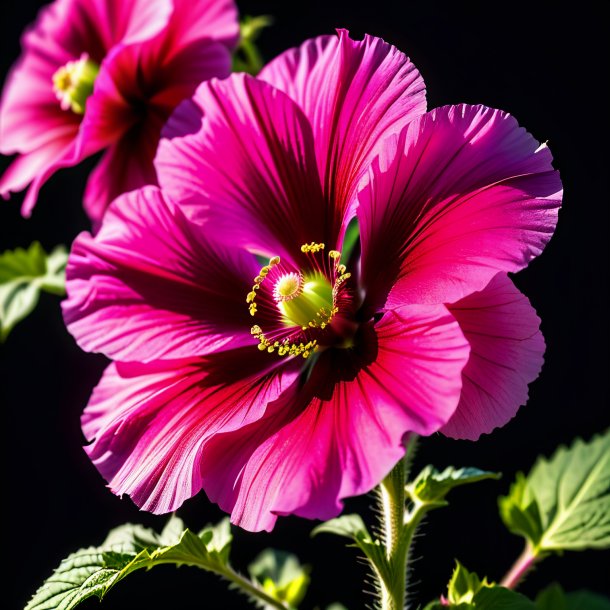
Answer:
[(398, 533), (251, 589)]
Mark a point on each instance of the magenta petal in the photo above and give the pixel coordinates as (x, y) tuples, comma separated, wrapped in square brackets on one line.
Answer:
[(28, 166), (249, 170), (310, 452), (460, 195), (506, 354), (150, 423), (152, 285), (114, 22), (214, 20), (355, 94)]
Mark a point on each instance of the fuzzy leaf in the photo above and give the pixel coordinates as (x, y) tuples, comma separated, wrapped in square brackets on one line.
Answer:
[(281, 575), (352, 526), (431, 486), (23, 274), (94, 571), (564, 502)]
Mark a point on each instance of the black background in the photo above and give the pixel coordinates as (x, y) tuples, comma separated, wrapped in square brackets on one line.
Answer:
[(546, 64)]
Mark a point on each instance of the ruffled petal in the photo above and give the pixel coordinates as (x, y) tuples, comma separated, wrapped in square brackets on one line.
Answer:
[(342, 433), (355, 94), (250, 168), (150, 423), (31, 118), (506, 354), (460, 195), (115, 117), (151, 285), (29, 165)]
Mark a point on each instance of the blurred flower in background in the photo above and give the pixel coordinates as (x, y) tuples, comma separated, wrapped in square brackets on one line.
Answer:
[(106, 74)]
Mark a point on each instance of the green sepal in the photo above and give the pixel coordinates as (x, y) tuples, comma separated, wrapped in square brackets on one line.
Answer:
[(281, 575), (23, 275), (564, 502)]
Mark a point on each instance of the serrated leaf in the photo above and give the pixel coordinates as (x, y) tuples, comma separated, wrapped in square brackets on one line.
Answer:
[(466, 591), (554, 598), (464, 585), (349, 526), (353, 527), (23, 274), (281, 575), (564, 502), (94, 571), (431, 486)]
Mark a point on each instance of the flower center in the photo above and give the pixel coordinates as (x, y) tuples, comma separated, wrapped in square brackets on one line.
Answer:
[(297, 305), (73, 83)]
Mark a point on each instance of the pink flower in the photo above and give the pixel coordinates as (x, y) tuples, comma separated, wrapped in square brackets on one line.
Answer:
[(284, 388), (106, 74)]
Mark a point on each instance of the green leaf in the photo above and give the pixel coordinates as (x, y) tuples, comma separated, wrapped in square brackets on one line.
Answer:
[(464, 585), (564, 502), (500, 598), (431, 486), (349, 526), (281, 575), (353, 527), (23, 274), (466, 591), (554, 598), (94, 571), (586, 600)]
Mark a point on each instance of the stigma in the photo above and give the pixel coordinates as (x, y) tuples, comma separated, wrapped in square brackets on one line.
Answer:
[(73, 83), (296, 305)]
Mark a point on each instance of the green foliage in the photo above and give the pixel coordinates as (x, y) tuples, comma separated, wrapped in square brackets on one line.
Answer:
[(281, 575), (353, 527), (431, 486), (247, 57), (92, 572), (564, 502), (554, 598), (464, 585), (23, 275), (466, 591)]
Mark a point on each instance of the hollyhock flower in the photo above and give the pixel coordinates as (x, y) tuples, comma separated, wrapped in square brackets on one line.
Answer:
[(284, 387), (106, 74)]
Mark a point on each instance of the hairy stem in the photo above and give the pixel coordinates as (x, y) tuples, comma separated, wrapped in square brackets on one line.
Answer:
[(524, 563), (251, 589), (397, 533)]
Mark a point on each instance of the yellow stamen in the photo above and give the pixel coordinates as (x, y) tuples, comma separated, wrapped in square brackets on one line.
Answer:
[(73, 83)]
